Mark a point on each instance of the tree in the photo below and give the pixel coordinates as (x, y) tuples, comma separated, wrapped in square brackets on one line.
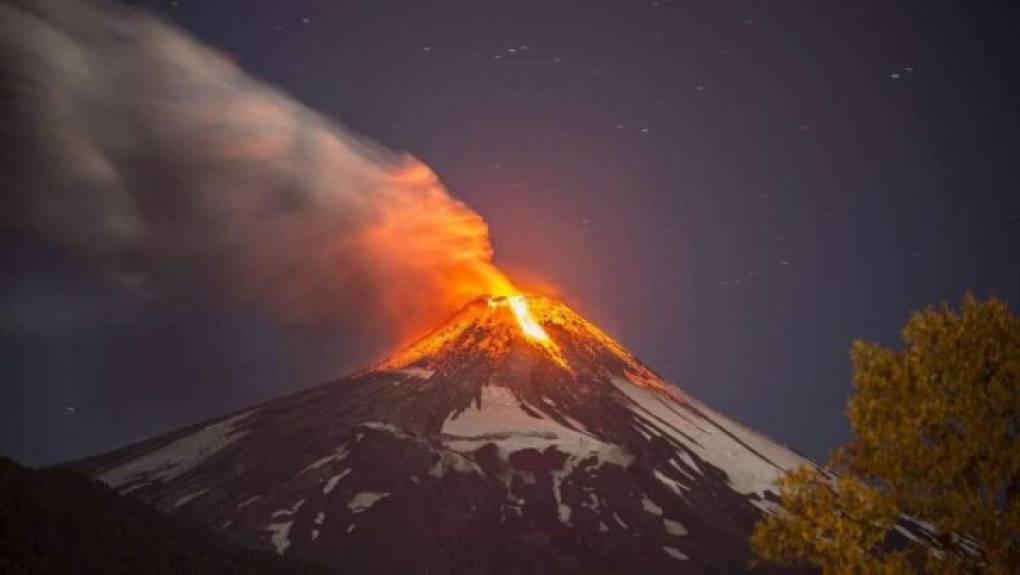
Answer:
[(930, 481)]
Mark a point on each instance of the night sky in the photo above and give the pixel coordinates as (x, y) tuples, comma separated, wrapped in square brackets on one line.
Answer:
[(733, 190)]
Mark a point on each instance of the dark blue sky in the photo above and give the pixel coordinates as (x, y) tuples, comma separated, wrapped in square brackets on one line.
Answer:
[(734, 190)]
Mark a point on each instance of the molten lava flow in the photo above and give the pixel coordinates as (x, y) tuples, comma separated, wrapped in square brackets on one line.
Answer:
[(528, 324)]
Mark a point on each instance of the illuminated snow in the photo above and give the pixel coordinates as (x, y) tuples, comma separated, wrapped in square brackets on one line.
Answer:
[(674, 527), (365, 500), (674, 553), (287, 512), (452, 461), (499, 419), (176, 458), (717, 440), (387, 427), (650, 506), (675, 486), (190, 497), (688, 460), (248, 501), (334, 480), (279, 537), (413, 373), (338, 456), (620, 521)]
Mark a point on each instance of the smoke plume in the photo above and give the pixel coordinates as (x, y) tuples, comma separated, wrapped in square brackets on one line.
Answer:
[(158, 160)]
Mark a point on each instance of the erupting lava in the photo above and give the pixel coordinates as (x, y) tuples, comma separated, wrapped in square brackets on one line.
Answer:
[(519, 305), (530, 327), (493, 323)]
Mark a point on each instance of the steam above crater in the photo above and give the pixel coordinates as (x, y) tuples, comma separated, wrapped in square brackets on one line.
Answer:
[(160, 162)]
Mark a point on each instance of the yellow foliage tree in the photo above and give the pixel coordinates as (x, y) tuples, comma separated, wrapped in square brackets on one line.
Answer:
[(935, 455)]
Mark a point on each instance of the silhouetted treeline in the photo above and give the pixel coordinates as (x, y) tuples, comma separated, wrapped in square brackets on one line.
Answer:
[(58, 521)]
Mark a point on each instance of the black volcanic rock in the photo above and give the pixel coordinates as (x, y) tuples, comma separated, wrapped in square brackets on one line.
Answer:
[(58, 521), (478, 449)]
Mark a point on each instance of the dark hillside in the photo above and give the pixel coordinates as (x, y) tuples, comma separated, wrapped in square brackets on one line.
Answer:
[(58, 521)]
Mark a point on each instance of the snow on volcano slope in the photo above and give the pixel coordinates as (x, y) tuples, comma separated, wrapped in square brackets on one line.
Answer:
[(500, 419), (476, 450)]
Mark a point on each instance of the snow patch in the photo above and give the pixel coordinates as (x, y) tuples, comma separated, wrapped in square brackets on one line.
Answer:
[(650, 505), (452, 461), (280, 535), (365, 500), (500, 420), (339, 455), (674, 527), (331, 483), (177, 457), (687, 460), (288, 512), (413, 373), (387, 427), (674, 553), (643, 433), (751, 462), (190, 497), (675, 486), (620, 521), (248, 501)]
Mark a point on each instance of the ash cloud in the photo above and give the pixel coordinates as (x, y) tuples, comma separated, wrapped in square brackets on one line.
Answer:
[(159, 161)]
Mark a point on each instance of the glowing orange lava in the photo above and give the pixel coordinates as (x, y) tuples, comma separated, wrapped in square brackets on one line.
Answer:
[(530, 327), (528, 324)]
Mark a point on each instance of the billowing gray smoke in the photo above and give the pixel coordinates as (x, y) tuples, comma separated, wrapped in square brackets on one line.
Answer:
[(158, 160)]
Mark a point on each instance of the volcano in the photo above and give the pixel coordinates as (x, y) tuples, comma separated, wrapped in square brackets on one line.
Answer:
[(515, 438)]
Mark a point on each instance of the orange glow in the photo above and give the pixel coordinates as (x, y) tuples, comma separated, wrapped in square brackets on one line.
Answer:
[(530, 327), (432, 253), (528, 324)]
